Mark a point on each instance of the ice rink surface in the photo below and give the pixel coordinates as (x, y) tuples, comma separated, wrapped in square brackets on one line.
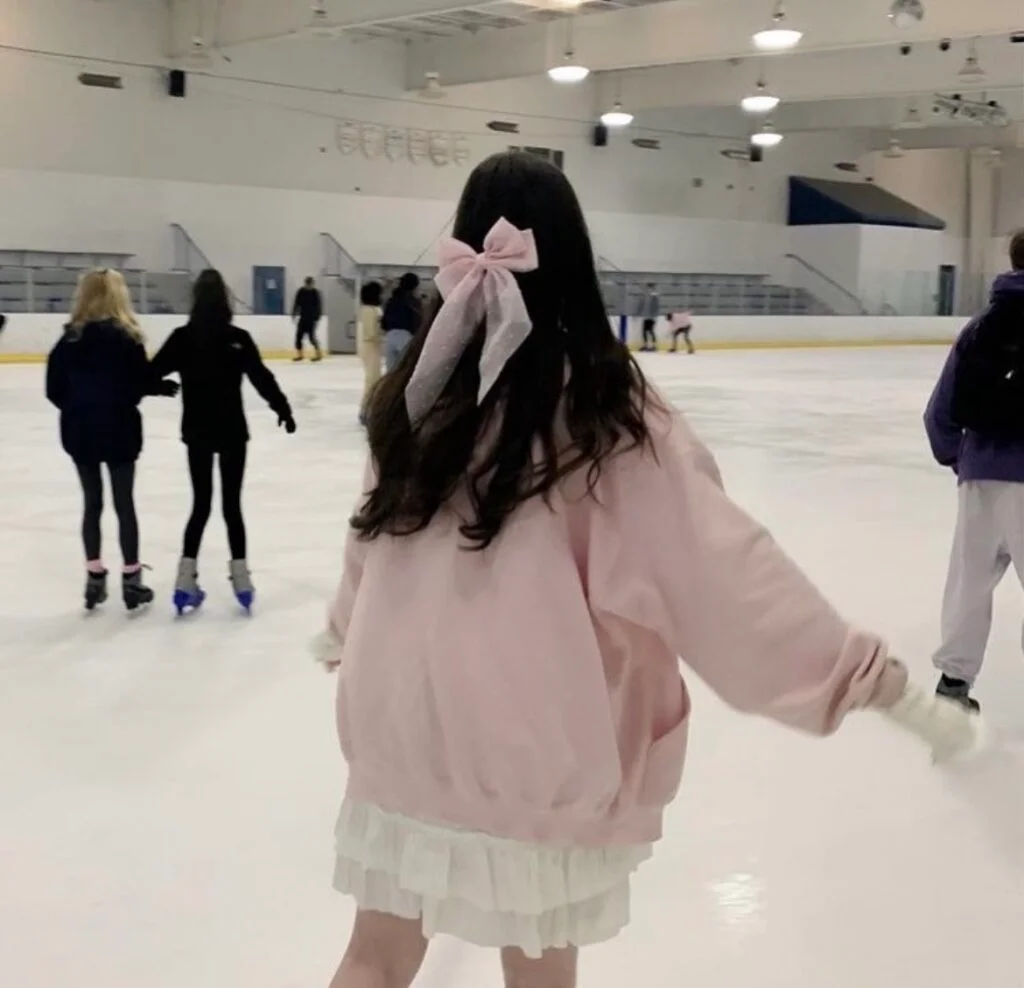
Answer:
[(168, 787)]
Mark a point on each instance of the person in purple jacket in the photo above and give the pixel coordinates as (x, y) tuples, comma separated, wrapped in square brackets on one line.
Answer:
[(990, 520)]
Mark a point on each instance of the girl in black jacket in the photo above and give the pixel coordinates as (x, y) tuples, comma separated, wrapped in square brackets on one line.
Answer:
[(212, 356), (401, 320), (96, 375)]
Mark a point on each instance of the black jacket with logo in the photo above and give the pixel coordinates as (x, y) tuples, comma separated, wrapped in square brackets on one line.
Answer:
[(212, 362)]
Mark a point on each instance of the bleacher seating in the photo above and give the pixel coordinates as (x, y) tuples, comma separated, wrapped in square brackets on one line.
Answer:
[(51, 289), (707, 294), (699, 293)]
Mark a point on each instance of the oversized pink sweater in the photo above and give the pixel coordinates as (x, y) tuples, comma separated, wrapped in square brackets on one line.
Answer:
[(532, 691)]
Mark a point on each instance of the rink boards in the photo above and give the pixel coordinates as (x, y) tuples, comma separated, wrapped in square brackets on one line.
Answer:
[(29, 337)]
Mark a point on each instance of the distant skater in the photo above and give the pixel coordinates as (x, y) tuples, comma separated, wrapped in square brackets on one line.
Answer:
[(681, 324), (212, 356), (369, 341), (307, 312), (975, 422), (650, 310), (97, 375), (558, 536), (401, 320)]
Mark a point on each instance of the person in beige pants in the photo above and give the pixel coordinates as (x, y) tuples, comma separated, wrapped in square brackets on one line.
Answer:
[(369, 340)]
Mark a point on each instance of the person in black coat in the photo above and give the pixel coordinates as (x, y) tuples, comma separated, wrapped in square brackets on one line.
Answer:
[(212, 356), (402, 317), (307, 312), (97, 375)]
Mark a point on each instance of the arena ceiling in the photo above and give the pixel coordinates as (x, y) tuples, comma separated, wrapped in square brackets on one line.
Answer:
[(667, 54)]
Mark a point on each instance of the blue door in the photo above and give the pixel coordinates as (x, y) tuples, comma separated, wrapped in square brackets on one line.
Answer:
[(268, 291)]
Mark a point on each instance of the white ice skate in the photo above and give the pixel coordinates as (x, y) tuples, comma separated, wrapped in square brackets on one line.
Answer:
[(948, 728)]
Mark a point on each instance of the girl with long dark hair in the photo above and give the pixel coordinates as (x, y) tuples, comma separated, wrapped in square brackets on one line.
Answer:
[(212, 355), (557, 535), (97, 375)]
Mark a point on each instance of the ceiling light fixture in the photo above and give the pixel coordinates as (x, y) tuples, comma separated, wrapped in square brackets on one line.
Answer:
[(617, 116), (570, 71), (198, 53), (432, 87), (778, 37), (766, 137), (972, 64), (912, 120), (760, 100), (905, 14)]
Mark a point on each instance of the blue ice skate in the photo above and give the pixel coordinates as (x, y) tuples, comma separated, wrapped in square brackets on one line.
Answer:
[(188, 595), (241, 583)]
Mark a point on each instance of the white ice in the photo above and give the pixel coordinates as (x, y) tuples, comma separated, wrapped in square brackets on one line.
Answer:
[(168, 788)]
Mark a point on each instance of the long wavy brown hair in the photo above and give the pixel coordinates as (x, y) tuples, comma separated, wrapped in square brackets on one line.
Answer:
[(569, 398)]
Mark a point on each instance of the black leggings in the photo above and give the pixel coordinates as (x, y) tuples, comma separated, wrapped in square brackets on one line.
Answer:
[(122, 485), (232, 474), (306, 328), (649, 337)]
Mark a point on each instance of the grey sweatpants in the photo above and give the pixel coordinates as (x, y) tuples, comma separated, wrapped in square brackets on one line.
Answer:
[(989, 536)]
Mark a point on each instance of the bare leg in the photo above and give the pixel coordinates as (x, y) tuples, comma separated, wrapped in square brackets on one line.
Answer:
[(384, 952), (555, 969)]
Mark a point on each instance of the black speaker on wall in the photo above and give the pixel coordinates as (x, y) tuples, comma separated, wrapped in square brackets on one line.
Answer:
[(600, 136), (756, 153), (176, 83)]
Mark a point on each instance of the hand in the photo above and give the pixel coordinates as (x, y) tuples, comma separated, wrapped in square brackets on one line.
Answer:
[(169, 388), (288, 422)]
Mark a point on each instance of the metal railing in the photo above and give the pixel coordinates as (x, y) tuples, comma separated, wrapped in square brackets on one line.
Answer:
[(190, 259), (336, 261), (829, 290)]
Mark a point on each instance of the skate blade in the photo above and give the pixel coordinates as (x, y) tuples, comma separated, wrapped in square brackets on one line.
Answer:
[(980, 740)]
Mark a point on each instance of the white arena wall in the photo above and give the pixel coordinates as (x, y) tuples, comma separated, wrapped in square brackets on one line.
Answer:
[(28, 338), (767, 332)]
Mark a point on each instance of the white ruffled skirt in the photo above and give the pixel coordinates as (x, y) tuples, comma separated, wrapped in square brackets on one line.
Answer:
[(488, 891)]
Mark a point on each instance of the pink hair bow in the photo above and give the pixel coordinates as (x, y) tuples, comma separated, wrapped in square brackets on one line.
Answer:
[(476, 288)]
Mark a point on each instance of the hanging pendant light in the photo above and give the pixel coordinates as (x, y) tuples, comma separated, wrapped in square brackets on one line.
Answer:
[(617, 116), (972, 64), (778, 37), (571, 71), (766, 137), (760, 100)]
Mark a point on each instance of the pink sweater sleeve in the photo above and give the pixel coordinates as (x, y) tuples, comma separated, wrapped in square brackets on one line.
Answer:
[(729, 601), (339, 614)]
